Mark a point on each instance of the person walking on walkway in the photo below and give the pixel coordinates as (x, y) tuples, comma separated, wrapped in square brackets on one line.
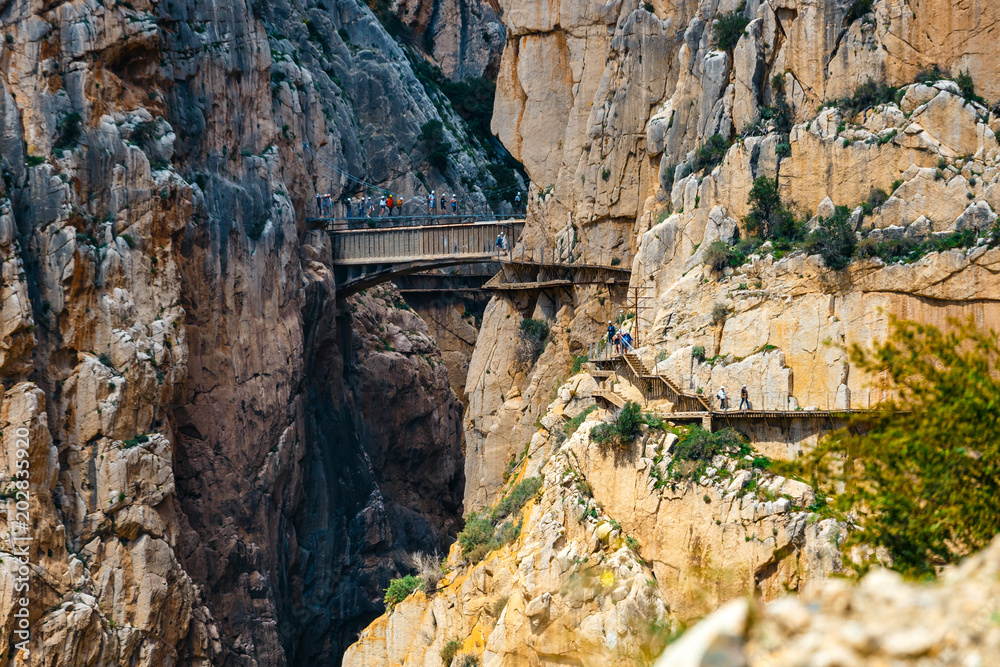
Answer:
[(744, 398), (454, 204), (517, 203), (430, 203), (381, 206), (626, 342), (390, 202), (350, 207), (399, 205), (319, 205), (722, 398), (503, 242), (611, 333), (499, 243)]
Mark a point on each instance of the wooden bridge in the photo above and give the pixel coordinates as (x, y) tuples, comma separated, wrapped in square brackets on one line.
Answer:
[(363, 258), (695, 408)]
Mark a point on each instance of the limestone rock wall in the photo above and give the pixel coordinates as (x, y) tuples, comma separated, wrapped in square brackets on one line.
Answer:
[(610, 558), (216, 475), (607, 129)]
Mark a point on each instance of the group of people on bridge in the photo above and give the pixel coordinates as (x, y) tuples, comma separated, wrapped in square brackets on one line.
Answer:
[(390, 204), (619, 339)]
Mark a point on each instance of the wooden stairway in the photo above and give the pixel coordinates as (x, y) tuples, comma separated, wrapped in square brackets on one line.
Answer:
[(648, 378)]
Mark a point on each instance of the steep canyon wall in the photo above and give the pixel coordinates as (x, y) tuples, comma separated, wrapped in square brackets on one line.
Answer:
[(222, 469)]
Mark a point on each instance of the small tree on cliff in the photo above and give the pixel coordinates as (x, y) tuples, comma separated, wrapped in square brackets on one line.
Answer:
[(924, 482)]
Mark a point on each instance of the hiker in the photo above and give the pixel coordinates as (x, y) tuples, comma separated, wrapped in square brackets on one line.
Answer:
[(744, 398), (390, 202), (319, 205), (617, 343), (430, 203), (517, 203), (347, 206), (381, 206), (444, 202), (626, 342), (503, 242), (399, 205), (722, 398), (499, 243), (454, 205), (611, 333)]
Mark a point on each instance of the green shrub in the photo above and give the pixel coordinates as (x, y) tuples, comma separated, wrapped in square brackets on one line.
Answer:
[(968, 88), (923, 482), (930, 76), (400, 589), (698, 352), (623, 430), (834, 240), (144, 132), (699, 444), (571, 426), (577, 364), (720, 255), (729, 28), (784, 149), (481, 533), (876, 198), (478, 531), (68, 127), (711, 153), (105, 359), (449, 651), (869, 94), (719, 312), (717, 255), (768, 217)]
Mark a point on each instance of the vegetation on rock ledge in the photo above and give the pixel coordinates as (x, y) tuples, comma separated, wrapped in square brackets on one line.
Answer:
[(922, 483)]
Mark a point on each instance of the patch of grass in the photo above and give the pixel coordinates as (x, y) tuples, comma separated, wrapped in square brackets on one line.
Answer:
[(449, 651), (105, 359), (400, 589), (571, 426), (484, 533), (577, 364)]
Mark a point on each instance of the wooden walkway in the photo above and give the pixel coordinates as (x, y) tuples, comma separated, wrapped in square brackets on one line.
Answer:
[(363, 258), (692, 407)]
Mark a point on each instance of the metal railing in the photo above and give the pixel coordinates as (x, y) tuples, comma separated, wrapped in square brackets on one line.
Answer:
[(347, 223), (432, 242)]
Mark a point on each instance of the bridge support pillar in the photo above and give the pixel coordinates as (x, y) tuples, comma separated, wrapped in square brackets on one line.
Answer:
[(706, 422)]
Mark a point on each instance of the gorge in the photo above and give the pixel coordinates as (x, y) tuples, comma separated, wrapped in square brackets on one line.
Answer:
[(229, 464)]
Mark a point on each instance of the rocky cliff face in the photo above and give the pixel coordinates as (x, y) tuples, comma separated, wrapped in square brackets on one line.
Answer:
[(612, 555), (221, 469), (608, 131)]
